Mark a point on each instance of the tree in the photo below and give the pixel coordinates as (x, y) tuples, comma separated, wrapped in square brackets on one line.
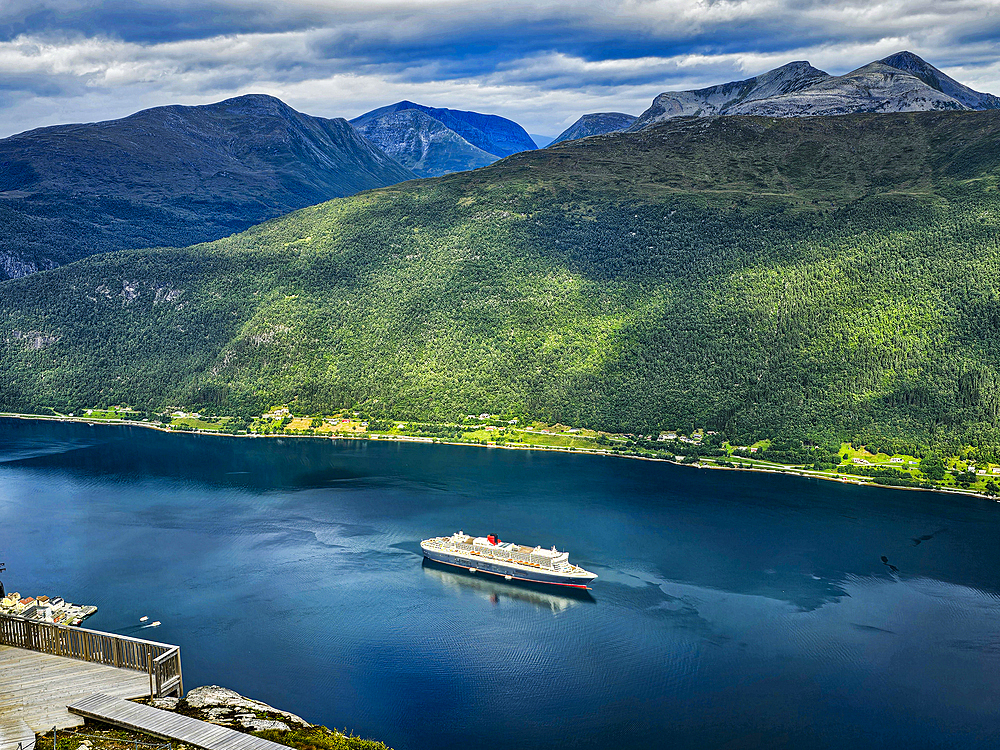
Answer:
[(932, 467), (965, 478)]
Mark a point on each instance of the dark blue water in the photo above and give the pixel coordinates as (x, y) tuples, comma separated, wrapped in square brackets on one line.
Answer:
[(732, 609)]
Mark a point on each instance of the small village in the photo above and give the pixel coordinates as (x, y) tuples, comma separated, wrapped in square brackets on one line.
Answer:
[(45, 609)]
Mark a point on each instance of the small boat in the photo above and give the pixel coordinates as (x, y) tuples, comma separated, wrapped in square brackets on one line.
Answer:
[(154, 624), (488, 554), (143, 618)]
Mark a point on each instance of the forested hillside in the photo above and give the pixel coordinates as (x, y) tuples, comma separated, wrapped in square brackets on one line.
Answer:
[(807, 278)]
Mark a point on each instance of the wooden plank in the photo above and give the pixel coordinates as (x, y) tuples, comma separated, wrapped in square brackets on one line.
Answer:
[(167, 725)]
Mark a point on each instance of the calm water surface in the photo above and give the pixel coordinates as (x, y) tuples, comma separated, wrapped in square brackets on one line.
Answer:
[(732, 609)]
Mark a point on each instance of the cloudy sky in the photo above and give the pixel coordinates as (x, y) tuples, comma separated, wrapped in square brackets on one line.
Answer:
[(542, 63)]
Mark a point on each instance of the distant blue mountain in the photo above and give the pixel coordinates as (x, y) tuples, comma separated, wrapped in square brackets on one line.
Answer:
[(172, 176), (598, 123), (434, 140), (423, 144), (541, 140)]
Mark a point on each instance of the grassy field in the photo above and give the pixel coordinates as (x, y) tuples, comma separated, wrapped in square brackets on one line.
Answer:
[(113, 413), (196, 423)]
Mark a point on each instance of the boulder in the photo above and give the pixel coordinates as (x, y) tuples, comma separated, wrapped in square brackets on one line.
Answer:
[(215, 697)]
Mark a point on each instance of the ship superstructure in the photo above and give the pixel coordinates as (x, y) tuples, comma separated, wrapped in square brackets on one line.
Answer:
[(488, 554)]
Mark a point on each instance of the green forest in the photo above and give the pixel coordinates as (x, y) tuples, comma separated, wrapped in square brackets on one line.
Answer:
[(811, 280)]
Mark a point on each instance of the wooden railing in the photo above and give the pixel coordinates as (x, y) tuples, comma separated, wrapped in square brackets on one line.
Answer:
[(167, 673), (161, 661)]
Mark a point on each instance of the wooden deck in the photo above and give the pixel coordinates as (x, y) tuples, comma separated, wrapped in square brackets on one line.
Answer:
[(167, 725), (160, 661), (15, 734), (35, 688)]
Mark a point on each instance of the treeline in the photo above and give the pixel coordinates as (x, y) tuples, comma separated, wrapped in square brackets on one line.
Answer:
[(785, 451), (889, 476)]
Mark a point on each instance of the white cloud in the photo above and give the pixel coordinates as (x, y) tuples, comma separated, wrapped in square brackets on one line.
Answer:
[(540, 63)]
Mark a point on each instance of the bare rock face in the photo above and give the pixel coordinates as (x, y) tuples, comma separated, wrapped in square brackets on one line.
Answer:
[(934, 78), (719, 100), (224, 706), (259, 725), (876, 87), (898, 83)]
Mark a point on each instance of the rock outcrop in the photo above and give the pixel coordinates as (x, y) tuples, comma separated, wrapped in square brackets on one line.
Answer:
[(223, 706)]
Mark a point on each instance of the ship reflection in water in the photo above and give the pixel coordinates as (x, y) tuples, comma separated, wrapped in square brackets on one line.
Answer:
[(459, 580)]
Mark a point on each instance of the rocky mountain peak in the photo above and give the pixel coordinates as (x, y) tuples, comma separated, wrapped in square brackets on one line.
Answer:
[(906, 60), (928, 74), (788, 78), (421, 143), (796, 70)]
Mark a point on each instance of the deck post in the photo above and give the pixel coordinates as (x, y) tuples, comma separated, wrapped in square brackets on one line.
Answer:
[(149, 665), (180, 676)]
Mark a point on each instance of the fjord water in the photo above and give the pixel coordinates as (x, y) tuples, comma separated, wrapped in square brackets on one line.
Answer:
[(732, 609)]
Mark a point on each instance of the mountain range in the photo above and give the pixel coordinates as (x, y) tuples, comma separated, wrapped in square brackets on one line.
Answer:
[(433, 141), (902, 82), (899, 83), (176, 175), (172, 176)]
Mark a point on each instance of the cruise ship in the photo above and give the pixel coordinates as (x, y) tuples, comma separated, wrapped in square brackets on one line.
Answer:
[(488, 554)]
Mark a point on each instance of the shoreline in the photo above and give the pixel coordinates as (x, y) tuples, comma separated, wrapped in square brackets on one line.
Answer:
[(804, 473)]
